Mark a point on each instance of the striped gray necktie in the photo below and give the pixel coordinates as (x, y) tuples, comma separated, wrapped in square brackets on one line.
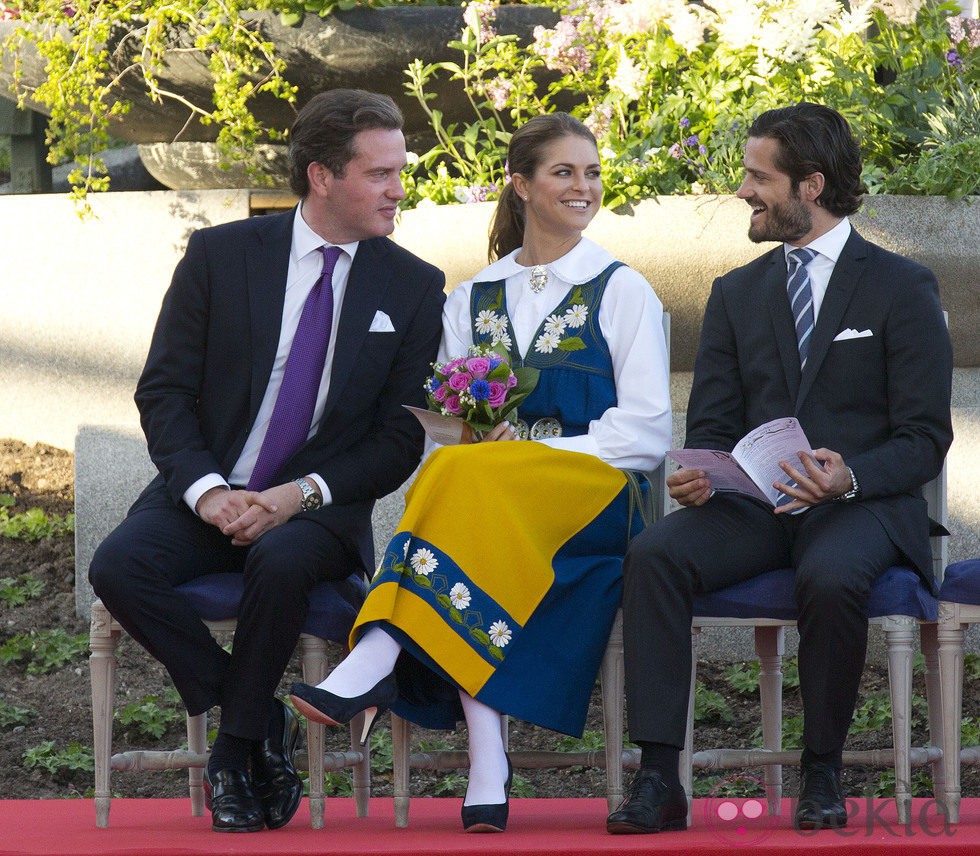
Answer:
[(801, 298)]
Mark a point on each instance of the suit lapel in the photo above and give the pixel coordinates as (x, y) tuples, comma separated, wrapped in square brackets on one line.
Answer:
[(368, 280), (774, 287), (266, 266), (847, 273)]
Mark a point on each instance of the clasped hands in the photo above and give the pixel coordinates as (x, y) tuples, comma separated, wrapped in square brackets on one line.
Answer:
[(244, 515), (503, 431), (824, 477)]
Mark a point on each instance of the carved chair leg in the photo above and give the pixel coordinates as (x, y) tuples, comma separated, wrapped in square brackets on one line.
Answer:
[(898, 640), (103, 639), (197, 742), (613, 679), (950, 638), (769, 647), (400, 745)]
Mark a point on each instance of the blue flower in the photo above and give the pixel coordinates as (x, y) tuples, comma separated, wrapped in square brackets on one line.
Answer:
[(703, 150), (480, 390), (494, 362), (674, 151), (685, 122), (434, 383), (692, 140)]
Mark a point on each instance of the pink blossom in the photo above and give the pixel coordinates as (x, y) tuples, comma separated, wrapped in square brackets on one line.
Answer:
[(440, 393), (498, 91), (451, 365), (498, 393), (452, 405), (459, 381), (561, 48), (511, 382), (478, 366)]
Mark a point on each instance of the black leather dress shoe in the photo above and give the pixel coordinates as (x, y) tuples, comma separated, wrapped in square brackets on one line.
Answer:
[(233, 806), (821, 803), (650, 806), (275, 782)]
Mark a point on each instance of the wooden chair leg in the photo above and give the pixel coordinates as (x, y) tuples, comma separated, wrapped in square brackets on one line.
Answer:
[(950, 640), (400, 745), (898, 640), (929, 644), (686, 770), (313, 656), (769, 647), (197, 742), (103, 638), (613, 678)]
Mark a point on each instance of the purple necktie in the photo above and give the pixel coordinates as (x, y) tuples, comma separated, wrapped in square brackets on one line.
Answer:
[(293, 413)]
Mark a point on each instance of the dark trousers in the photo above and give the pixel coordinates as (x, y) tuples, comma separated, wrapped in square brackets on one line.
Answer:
[(838, 551), (159, 546)]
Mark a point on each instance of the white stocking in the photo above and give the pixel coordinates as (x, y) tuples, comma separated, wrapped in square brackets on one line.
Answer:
[(372, 659), (488, 761)]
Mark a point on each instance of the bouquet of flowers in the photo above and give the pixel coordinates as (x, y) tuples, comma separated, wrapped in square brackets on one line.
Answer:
[(480, 388)]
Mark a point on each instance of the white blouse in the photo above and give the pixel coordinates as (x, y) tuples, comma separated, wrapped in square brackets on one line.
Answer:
[(636, 432)]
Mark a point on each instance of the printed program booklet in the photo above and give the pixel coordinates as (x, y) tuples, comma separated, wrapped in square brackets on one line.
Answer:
[(753, 465)]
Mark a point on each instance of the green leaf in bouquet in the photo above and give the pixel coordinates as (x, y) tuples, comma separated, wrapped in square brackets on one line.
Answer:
[(527, 379)]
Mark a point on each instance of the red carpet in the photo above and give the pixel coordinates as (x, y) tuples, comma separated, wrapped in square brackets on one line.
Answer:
[(537, 826)]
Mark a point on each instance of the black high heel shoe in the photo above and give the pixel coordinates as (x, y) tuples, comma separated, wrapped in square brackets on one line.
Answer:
[(322, 706), (491, 817)]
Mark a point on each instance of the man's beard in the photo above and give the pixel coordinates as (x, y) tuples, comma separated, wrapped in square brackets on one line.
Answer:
[(783, 221)]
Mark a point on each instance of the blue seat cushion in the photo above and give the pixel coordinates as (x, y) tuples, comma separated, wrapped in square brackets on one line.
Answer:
[(898, 591), (333, 605), (961, 582)]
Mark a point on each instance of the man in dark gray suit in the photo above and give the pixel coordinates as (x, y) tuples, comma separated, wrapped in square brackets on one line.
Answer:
[(850, 339), (272, 406)]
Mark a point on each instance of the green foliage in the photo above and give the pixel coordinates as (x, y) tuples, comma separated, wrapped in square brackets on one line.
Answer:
[(335, 784), (34, 524), (16, 592), (744, 677), (668, 89), (710, 705), (590, 741), (74, 758), (971, 667), (90, 49), (970, 731), (381, 751), (11, 715), (45, 650), (920, 784), (151, 715)]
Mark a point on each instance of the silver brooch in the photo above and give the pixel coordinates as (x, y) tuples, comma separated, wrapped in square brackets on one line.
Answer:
[(539, 278)]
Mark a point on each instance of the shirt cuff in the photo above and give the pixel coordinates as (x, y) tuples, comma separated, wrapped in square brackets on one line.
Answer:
[(324, 490), (193, 494)]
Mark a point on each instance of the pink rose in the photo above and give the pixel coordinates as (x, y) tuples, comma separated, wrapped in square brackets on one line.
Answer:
[(478, 366), (452, 364), (511, 382), (498, 393), (459, 381), (440, 393), (452, 405)]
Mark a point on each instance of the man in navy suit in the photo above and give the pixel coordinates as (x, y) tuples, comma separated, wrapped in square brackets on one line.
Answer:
[(870, 384), (208, 394)]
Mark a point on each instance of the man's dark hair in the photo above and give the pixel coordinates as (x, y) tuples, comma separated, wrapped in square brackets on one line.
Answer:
[(325, 128), (813, 138)]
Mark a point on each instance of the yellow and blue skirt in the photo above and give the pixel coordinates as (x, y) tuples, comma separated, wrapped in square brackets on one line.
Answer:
[(503, 580)]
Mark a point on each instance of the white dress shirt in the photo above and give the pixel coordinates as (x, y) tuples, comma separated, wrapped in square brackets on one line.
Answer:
[(828, 248), (305, 268), (637, 431)]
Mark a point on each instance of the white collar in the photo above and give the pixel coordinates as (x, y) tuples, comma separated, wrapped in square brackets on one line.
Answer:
[(306, 241), (580, 264), (829, 244)]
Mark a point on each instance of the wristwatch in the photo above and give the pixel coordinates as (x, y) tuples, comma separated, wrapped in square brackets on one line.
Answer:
[(853, 493), (311, 495)]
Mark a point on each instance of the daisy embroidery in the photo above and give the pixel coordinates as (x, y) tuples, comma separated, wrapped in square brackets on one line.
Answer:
[(424, 562), (555, 324), (487, 321), (459, 595), (499, 633), (576, 316), (547, 342), (501, 338)]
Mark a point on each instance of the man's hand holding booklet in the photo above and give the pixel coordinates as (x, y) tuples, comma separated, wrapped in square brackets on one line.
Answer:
[(753, 465)]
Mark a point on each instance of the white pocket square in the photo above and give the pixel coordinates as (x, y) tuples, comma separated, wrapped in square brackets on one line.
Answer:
[(851, 333), (382, 323)]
